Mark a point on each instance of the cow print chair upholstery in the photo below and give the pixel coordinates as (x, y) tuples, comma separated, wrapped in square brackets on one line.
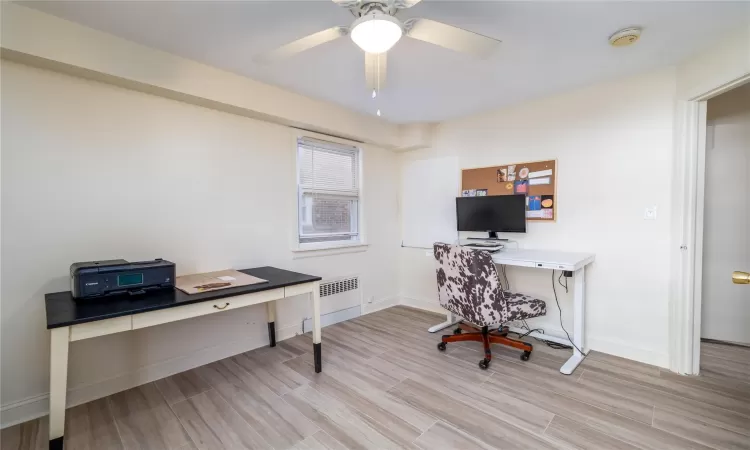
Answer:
[(468, 286)]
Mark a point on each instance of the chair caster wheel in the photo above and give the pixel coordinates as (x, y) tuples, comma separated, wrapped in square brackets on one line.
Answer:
[(457, 331), (484, 364), (525, 356), (441, 346)]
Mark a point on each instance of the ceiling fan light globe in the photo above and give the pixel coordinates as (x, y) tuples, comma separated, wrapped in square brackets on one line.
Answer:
[(376, 33)]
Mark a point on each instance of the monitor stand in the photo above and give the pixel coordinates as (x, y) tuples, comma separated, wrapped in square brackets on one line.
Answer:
[(493, 237)]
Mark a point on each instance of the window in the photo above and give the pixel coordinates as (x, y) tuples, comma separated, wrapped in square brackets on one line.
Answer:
[(328, 188)]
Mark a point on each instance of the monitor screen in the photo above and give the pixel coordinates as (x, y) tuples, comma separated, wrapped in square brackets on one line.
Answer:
[(506, 213)]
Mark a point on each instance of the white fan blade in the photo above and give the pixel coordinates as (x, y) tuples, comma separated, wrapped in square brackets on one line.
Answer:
[(347, 3), (450, 37), (403, 4), (300, 45), (376, 65)]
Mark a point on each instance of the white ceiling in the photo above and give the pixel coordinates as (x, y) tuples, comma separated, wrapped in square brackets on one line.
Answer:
[(547, 47)]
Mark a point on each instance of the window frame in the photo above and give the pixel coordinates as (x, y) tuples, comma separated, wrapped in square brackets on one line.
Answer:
[(307, 249)]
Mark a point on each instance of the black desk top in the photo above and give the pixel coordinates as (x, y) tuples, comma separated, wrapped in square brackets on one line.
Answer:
[(63, 310)]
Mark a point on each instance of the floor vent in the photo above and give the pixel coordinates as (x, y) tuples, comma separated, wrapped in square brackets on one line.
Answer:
[(338, 286)]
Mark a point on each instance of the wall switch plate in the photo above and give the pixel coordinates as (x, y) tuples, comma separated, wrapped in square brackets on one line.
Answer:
[(650, 213)]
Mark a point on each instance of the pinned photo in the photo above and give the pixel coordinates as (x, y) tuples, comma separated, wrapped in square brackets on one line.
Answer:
[(548, 201), (521, 187), (481, 192), (502, 175), (535, 203), (523, 173)]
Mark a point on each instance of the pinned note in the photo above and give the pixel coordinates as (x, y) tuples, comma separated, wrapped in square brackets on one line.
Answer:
[(537, 181), (541, 173)]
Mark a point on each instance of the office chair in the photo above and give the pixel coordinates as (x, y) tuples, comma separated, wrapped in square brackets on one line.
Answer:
[(468, 286)]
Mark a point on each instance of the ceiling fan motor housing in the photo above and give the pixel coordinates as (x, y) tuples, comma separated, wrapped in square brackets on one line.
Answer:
[(375, 7)]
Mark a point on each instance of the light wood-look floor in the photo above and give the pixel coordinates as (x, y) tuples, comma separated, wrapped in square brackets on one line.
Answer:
[(385, 385)]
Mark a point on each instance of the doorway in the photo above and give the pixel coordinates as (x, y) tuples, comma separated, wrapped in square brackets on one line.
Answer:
[(725, 309)]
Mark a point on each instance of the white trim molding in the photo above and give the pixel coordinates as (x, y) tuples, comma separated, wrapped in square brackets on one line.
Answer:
[(688, 203), (384, 303)]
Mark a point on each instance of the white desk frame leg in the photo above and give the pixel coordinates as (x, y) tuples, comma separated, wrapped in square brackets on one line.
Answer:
[(450, 319), (579, 304), (316, 327), (58, 385)]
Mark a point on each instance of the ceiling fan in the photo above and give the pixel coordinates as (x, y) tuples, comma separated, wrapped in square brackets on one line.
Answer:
[(377, 29)]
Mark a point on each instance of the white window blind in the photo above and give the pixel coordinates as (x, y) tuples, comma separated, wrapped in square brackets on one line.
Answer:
[(328, 184)]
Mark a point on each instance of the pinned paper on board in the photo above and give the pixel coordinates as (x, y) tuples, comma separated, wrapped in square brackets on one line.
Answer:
[(534, 214), (539, 181), (469, 193), (536, 180), (534, 202), (540, 173)]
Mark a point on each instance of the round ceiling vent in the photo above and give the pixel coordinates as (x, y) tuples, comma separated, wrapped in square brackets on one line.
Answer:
[(625, 37)]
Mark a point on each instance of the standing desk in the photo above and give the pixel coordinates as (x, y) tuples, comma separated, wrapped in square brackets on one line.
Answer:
[(555, 260), (69, 321)]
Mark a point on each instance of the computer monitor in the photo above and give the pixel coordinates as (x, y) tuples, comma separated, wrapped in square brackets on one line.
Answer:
[(495, 213)]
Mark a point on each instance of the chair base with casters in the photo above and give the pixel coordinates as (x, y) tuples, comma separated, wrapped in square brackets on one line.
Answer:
[(486, 337)]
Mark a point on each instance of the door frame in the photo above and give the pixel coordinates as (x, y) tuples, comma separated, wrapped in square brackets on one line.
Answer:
[(687, 269)]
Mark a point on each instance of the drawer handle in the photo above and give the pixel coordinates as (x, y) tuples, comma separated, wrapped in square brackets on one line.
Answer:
[(222, 307)]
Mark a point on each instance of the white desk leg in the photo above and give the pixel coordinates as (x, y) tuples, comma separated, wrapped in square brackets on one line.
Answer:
[(316, 327), (271, 318), (58, 385), (579, 304), (450, 319)]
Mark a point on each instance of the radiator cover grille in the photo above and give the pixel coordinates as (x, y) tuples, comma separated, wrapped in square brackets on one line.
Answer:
[(338, 286)]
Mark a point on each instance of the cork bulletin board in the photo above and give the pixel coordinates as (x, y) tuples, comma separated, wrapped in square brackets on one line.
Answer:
[(537, 180)]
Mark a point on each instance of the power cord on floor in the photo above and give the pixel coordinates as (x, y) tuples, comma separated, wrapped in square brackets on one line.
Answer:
[(550, 344), (560, 309)]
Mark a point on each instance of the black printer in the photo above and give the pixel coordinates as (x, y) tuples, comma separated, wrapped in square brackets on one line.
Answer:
[(95, 279)]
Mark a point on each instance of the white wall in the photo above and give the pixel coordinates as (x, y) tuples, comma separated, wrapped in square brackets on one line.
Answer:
[(92, 171), (35, 38), (726, 245), (613, 144)]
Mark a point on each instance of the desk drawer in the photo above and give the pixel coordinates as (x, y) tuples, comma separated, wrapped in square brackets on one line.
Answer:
[(204, 308), (100, 328), (297, 289)]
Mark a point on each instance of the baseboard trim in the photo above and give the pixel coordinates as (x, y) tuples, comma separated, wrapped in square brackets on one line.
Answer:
[(37, 406), (334, 317), (628, 351), (387, 302), (425, 305)]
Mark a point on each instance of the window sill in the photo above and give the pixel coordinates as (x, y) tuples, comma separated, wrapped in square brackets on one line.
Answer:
[(327, 249)]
